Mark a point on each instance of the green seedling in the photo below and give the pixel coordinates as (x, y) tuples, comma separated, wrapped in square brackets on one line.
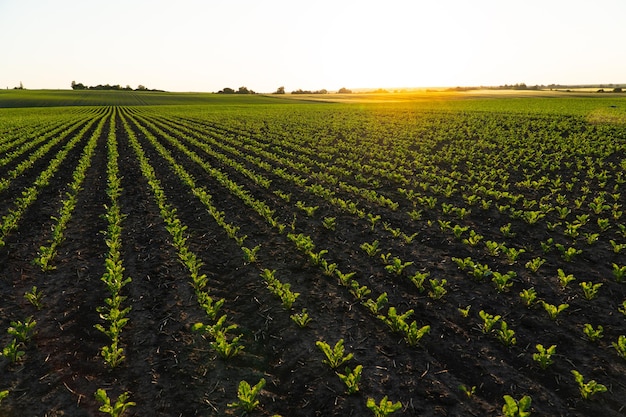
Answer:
[(371, 248), (330, 223), (489, 321), (22, 331), (247, 396), (249, 255), (593, 334), (619, 272), (418, 279), (590, 290), (438, 289), (620, 346), (13, 351), (464, 311), (506, 335), (514, 408), (397, 266), (413, 335), (564, 280), (468, 391), (587, 389), (553, 310), (351, 378), (301, 319), (544, 356), (534, 264), (376, 306), (334, 356), (113, 410), (528, 296), (384, 408), (35, 297)]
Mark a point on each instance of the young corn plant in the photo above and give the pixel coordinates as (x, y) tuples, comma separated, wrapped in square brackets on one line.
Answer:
[(334, 356), (247, 396), (587, 389), (351, 378), (116, 409), (384, 408), (514, 408), (544, 356)]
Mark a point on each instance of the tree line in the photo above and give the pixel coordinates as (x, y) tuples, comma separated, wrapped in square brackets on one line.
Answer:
[(81, 86)]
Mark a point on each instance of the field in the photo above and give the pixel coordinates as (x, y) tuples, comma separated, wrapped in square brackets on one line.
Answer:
[(466, 252)]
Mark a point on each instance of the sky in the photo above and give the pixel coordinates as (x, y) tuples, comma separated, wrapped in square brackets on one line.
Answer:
[(207, 45)]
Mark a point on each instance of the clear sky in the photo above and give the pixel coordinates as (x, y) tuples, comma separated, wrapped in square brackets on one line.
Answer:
[(206, 45)]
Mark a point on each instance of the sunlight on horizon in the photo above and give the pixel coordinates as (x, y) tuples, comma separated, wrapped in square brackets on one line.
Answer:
[(206, 46)]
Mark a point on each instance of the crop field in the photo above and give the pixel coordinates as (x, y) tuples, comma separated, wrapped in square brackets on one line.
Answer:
[(267, 256)]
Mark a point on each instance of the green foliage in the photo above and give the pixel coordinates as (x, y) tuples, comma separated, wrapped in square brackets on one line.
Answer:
[(544, 356), (351, 378), (334, 356), (514, 408), (590, 290), (301, 319), (620, 346), (384, 408), (35, 297), (247, 396), (587, 389), (528, 296), (113, 409), (553, 310), (489, 320), (593, 334)]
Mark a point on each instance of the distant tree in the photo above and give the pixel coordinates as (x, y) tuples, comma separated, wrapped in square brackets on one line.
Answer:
[(617, 90), (226, 90), (344, 90), (280, 90), (244, 90), (141, 88)]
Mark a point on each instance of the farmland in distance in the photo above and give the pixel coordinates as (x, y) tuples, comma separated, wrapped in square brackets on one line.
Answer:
[(170, 251)]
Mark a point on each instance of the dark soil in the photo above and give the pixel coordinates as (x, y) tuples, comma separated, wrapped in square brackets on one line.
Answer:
[(172, 371)]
